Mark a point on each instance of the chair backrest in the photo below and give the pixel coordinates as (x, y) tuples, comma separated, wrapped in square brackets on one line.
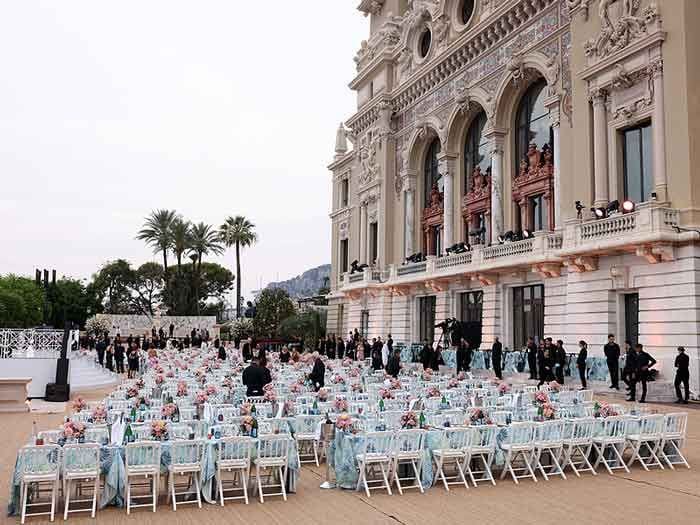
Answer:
[(236, 448), (143, 454), (581, 430), (142, 431), (82, 457), (276, 426), (614, 427), (651, 426), (675, 425), (187, 413), (392, 418), (521, 433), (458, 438), (307, 424), (409, 440), (186, 452), (585, 395), (39, 459), (97, 434), (501, 417), (50, 437), (179, 431), (550, 431), (273, 446), (378, 443)]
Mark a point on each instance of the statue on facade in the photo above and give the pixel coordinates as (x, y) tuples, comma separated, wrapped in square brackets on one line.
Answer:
[(435, 197)]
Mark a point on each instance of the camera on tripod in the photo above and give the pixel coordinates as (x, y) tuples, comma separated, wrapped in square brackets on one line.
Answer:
[(450, 328)]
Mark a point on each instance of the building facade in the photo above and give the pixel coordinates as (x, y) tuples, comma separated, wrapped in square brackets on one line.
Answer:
[(480, 126)]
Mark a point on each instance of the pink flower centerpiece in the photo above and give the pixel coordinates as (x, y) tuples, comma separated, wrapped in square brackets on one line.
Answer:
[(341, 405), (503, 388), (409, 420), (338, 379), (322, 394), (159, 429), (434, 391), (201, 397), (295, 388), (159, 379), (73, 429), (344, 422), (453, 383), (603, 409), (269, 395), (79, 404), (478, 416), (99, 413), (168, 410), (386, 393), (181, 389), (553, 385)]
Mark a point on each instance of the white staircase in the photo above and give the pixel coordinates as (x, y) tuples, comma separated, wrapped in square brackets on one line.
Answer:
[(86, 374)]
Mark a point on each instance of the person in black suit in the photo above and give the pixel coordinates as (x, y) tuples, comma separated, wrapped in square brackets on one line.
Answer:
[(628, 369), (464, 356), (376, 355), (101, 347), (109, 362), (426, 355), (221, 351), (393, 367), (330, 348), (246, 351), (171, 330), (581, 362), (254, 378), (390, 343), (532, 357), (612, 355), (559, 361), (496, 355), (119, 354), (643, 362), (340, 350), (682, 365), (546, 365), (318, 373)]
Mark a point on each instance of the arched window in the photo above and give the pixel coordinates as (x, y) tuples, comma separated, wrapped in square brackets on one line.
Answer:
[(430, 170), (467, 10), (475, 150), (532, 122)]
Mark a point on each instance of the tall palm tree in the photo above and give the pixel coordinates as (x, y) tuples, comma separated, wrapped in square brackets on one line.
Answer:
[(179, 239), (157, 231), (239, 232), (203, 240)]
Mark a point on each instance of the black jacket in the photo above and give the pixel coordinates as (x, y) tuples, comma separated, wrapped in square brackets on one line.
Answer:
[(464, 358), (497, 351), (318, 374), (643, 361), (612, 351), (393, 367), (581, 359), (222, 353), (682, 362), (254, 379), (427, 355)]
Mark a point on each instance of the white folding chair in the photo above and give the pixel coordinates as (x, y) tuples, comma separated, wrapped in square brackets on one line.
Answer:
[(81, 464), (185, 460), (408, 448), (673, 441), (307, 436), (647, 434), (273, 454), (549, 441), (519, 444), (610, 440), (482, 449), (143, 461), (456, 443), (234, 456), (376, 451), (578, 443), (39, 465), (50, 437)]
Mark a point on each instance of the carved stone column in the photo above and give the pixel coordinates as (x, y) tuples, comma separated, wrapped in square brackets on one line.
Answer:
[(600, 147), (658, 128), (363, 232), (554, 116), (496, 146), (409, 214), (446, 168)]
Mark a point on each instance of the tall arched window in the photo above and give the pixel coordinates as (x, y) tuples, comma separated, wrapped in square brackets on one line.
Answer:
[(475, 150), (430, 170), (532, 122)]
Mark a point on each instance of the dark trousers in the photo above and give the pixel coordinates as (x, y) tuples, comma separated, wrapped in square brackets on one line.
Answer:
[(614, 369), (120, 366), (682, 378), (101, 357), (559, 374), (582, 375), (497, 368), (532, 365), (639, 377)]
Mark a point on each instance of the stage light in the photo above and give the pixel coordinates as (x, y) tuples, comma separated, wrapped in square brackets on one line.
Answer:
[(613, 207), (579, 209), (459, 247), (598, 213), (628, 206), (653, 196), (527, 234), (506, 237)]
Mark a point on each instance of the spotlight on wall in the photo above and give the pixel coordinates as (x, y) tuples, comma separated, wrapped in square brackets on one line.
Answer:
[(356, 267), (653, 196), (598, 213), (506, 237), (613, 207), (579, 209), (527, 234), (628, 207), (459, 247), (414, 258)]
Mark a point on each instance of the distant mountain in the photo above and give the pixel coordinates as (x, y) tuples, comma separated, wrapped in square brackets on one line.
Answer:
[(307, 284)]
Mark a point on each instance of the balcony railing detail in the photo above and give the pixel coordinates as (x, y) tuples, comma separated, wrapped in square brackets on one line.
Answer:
[(450, 261), (408, 269), (611, 226), (508, 249)]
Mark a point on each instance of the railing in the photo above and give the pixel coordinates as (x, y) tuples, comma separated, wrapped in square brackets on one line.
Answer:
[(408, 269), (356, 277), (612, 226), (508, 249), (555, 241), (30, 343), (450, 261), (670, 217)]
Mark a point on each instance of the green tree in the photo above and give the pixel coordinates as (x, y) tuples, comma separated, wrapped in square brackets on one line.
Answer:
[(215, 282), (239, 232), (21, 302), (148, 286), (157, 231), (179, 239), (204, 240), (71, 300), (113, 285), (272, 307), (307, 327)]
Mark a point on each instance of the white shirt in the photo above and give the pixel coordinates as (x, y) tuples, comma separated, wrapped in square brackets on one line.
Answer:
[(385, 354)]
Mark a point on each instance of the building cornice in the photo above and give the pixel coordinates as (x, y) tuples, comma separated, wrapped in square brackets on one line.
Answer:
[(342, 161)]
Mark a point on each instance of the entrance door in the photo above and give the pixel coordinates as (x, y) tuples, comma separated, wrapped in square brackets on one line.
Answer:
[(528, 314), (632, 317)]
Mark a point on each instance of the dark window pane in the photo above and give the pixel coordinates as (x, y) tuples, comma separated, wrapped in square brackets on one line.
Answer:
[(430, 168), (467, 10), (647, 159), (633, 164), (425, 41)]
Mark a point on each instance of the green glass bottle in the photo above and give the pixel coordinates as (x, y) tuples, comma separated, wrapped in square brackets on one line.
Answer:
[(421, 420), (443, 401), (252, 410), (381, 404), (132, 414), (315, 407), (128, 433)]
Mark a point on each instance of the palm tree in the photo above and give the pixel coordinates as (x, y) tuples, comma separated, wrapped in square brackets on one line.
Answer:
[(179, 239), (157, 231), (239, 232), (203, 240)]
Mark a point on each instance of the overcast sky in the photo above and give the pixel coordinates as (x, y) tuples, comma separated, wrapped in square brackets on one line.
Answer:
[(109, 110)]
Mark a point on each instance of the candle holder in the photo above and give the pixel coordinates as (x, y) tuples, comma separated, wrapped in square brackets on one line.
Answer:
[(327, 437)]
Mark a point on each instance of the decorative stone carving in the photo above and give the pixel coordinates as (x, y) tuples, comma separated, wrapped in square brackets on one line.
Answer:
[(343, 230), (516, 68), (405, 64), (368, 164), (462, 97), (441, 31), (535, 177), (371, 7), (622, 79), (617, 33), (579, 4)]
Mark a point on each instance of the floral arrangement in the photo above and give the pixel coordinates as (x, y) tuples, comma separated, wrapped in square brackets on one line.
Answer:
[(300, 381), (347, 362), (141, 400), (201, 397), (602, 409), (140, 384), (79, 404), (503, 388), (461, 376), (200, 372), (409, 420), (168, 409), (337, 379), (268, 387), (211, 390), (99, 413), (295, 388), (181, 389), (354, 372), (131, 392), (395, 384), (169, 373), (159, 379), (434, 391), (289, 408), (386, 393), (159, 369), (159, 429), (477, 415), (73, 429), (247, 424), (269, 395), (555, 386), (541, 398), (322, 394), (245, 409), (546, 411), (453, 383), (341, 405), (427, 374), (356, 387), (344, 422)]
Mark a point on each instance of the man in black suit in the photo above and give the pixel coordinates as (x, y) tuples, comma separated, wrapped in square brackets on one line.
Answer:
[(612, 355), (464, 356), (427, 355), (559, 361), (496, 355), (390, 343), (393, 367), (101, 347), (119, 354), (246, 351), (581, 362), (171, 330), (318, 373), (643, 362), (682, 365), (254, 378), (340, 350), (532, 357)]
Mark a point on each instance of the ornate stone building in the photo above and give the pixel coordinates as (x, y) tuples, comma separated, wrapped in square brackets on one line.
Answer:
[(483, 122)]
